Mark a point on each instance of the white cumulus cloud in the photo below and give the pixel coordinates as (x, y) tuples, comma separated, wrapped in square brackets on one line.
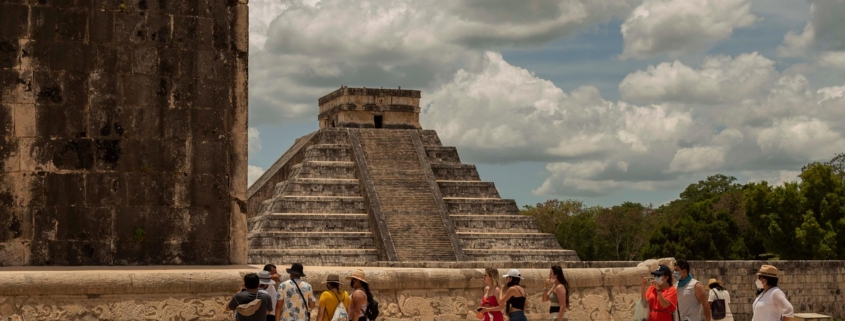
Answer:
[(253, 174), (676, 27)]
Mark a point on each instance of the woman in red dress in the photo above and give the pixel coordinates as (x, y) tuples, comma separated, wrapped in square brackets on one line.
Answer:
[(492, 290)]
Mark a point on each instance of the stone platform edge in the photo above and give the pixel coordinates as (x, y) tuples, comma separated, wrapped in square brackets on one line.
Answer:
[(161, 280)]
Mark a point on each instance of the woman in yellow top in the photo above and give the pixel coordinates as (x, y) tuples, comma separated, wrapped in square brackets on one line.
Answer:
[(331, 298)]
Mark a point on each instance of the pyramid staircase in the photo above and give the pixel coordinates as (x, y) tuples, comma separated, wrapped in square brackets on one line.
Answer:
[(349, 196)]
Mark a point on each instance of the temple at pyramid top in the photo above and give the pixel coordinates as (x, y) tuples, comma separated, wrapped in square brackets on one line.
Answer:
[(370, 108), (372, 187)]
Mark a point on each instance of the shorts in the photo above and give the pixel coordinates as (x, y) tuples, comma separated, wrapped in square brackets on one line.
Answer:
[(517, 316)]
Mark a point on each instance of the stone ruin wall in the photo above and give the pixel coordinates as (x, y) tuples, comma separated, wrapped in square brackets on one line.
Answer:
[(403, 294), (602, 292), (124, 132)]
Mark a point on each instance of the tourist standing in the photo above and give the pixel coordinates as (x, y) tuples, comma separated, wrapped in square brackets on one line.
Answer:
[(360, 297), (771, 304), (692, 297), (332, 298), (718, 292), (662, 298), (296, 299), (557, 294), (513, 298), (267, 286), (492, 291), (274, 275), (243, 301)]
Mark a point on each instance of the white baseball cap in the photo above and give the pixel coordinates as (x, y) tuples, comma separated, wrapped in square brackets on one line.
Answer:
[(514, 273)]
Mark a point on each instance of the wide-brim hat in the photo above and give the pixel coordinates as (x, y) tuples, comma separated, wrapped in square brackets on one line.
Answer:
[(264, 277), (714, 281), (332, 278), (768, 270), (296, 269), (358, 275), (662, 270), (513, 273)]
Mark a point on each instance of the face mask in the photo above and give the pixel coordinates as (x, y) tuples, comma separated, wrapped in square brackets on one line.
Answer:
[(659, 280), (759, 284), (677, 275)]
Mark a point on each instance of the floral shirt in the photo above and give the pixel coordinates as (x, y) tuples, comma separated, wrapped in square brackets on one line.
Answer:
[(293, 307)]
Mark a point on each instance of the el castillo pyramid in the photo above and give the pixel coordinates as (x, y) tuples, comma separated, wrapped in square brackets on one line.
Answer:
[(372, 186)]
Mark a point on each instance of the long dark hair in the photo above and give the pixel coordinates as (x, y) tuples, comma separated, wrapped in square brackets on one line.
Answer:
[(366, 288), (558, 271), (513, 281)]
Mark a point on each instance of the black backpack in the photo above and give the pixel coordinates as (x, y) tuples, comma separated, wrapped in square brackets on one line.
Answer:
[(372, 310), (717, 307)]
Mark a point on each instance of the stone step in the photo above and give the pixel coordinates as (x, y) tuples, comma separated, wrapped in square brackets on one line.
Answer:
[(496, 239), (482, 206), (488, 223), (429, 138), (328, 152), (312, 239), (475, 189), (326, 169), (322, 187), (315, 204), (520, 255), (313, 257), (442, 154), (455, 172), (335, 136), (293, 222)]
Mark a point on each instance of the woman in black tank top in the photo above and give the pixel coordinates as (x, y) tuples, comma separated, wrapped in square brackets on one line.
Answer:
[(513, 297)]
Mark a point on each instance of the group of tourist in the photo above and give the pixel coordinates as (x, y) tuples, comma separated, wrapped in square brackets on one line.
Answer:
[(688, 300), (259, 300), (511, 298)]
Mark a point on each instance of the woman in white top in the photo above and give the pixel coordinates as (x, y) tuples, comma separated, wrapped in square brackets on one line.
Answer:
[(771, 304), (718, 292)]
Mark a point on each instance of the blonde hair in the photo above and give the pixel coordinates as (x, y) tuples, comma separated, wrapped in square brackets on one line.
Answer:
[(494, 275)]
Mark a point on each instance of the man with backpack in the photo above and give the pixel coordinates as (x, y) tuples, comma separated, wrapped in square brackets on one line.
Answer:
[(250, 304)]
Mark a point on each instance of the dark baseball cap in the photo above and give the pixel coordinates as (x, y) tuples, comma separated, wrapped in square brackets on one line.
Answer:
[(662, 270)]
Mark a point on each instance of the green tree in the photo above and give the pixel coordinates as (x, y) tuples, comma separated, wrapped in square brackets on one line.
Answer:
[(801, 220)]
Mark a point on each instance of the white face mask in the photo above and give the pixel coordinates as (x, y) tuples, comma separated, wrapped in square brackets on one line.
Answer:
[(759, 284), (659, 280)]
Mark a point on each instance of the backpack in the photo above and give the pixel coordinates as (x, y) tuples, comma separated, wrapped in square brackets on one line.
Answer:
[(372, 310), (250, 308), (717, 307), (340, 313)]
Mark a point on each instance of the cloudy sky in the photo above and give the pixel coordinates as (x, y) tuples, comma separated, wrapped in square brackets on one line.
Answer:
[(599, 100)]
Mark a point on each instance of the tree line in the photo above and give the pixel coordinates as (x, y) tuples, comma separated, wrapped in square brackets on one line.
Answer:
[(713, 219)]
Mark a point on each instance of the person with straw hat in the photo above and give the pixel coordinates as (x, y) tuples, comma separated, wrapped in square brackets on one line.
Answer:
[(360, 297), (771, 304), (331, 299), (718, 292)]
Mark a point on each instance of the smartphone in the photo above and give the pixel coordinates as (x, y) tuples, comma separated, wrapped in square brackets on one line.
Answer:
[(479, 309)]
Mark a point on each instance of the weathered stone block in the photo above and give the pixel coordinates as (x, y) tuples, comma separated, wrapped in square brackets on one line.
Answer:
[(151, 189), (129, 28), (208, 191), (208, 124), (205, 224), (105, 189), (139, 90), (101, 24), (68, 189), (209, 157), (14, 22), (9, 52), (145, 60), (44, 23), (72, 154), (16, 87), (70, 253), (15, 223), (74, 223), (72, 25), (160, 29)]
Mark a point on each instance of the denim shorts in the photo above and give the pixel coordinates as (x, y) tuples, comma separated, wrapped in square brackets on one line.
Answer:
[(517, 316)]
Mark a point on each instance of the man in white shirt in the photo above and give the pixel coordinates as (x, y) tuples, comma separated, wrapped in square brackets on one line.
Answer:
[(267, 285), (692, 298), (296, 298)]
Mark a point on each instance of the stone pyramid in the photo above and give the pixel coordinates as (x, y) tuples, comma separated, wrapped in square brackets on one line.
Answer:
[(372, 186)]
